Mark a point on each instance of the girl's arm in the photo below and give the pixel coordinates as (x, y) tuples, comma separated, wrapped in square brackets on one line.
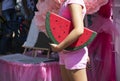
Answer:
[(77, 20)]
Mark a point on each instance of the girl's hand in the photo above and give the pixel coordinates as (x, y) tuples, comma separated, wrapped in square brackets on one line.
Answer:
[(55, 47)]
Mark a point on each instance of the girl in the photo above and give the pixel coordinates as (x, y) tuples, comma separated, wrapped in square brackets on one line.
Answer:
[(72, 63)]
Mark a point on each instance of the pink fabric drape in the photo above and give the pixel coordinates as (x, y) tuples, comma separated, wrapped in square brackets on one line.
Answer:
[(18, 71), (102, 59), (101, 50)]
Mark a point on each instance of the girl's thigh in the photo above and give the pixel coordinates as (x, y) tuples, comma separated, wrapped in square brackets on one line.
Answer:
[(77, 75), (64, 73), (73, 75)]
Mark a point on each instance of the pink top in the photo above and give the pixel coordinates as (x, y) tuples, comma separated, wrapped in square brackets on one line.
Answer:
[(64, 11)]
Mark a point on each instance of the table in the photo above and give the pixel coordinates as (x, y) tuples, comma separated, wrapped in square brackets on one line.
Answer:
[(19, 67)]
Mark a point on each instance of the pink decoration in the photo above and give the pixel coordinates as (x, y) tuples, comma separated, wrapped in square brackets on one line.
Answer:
[(105, 10), (44, 6), (93, 6)]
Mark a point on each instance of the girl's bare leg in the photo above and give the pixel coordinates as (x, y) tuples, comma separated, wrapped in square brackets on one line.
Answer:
[(73, 75), (64, 74), (77, 75)]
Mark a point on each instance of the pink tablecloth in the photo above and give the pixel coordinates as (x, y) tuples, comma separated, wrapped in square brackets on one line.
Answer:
[(19, 67)]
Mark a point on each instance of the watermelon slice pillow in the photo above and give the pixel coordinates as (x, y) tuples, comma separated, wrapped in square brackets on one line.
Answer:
[(58, 28)]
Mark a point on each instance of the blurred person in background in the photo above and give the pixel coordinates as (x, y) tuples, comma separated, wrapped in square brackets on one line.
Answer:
[(28, 9), (8, 12)]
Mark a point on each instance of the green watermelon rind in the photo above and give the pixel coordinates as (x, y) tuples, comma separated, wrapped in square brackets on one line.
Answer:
[(48, 30)]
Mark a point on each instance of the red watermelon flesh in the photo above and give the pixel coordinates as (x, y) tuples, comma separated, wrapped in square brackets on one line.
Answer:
[(58, 28)]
